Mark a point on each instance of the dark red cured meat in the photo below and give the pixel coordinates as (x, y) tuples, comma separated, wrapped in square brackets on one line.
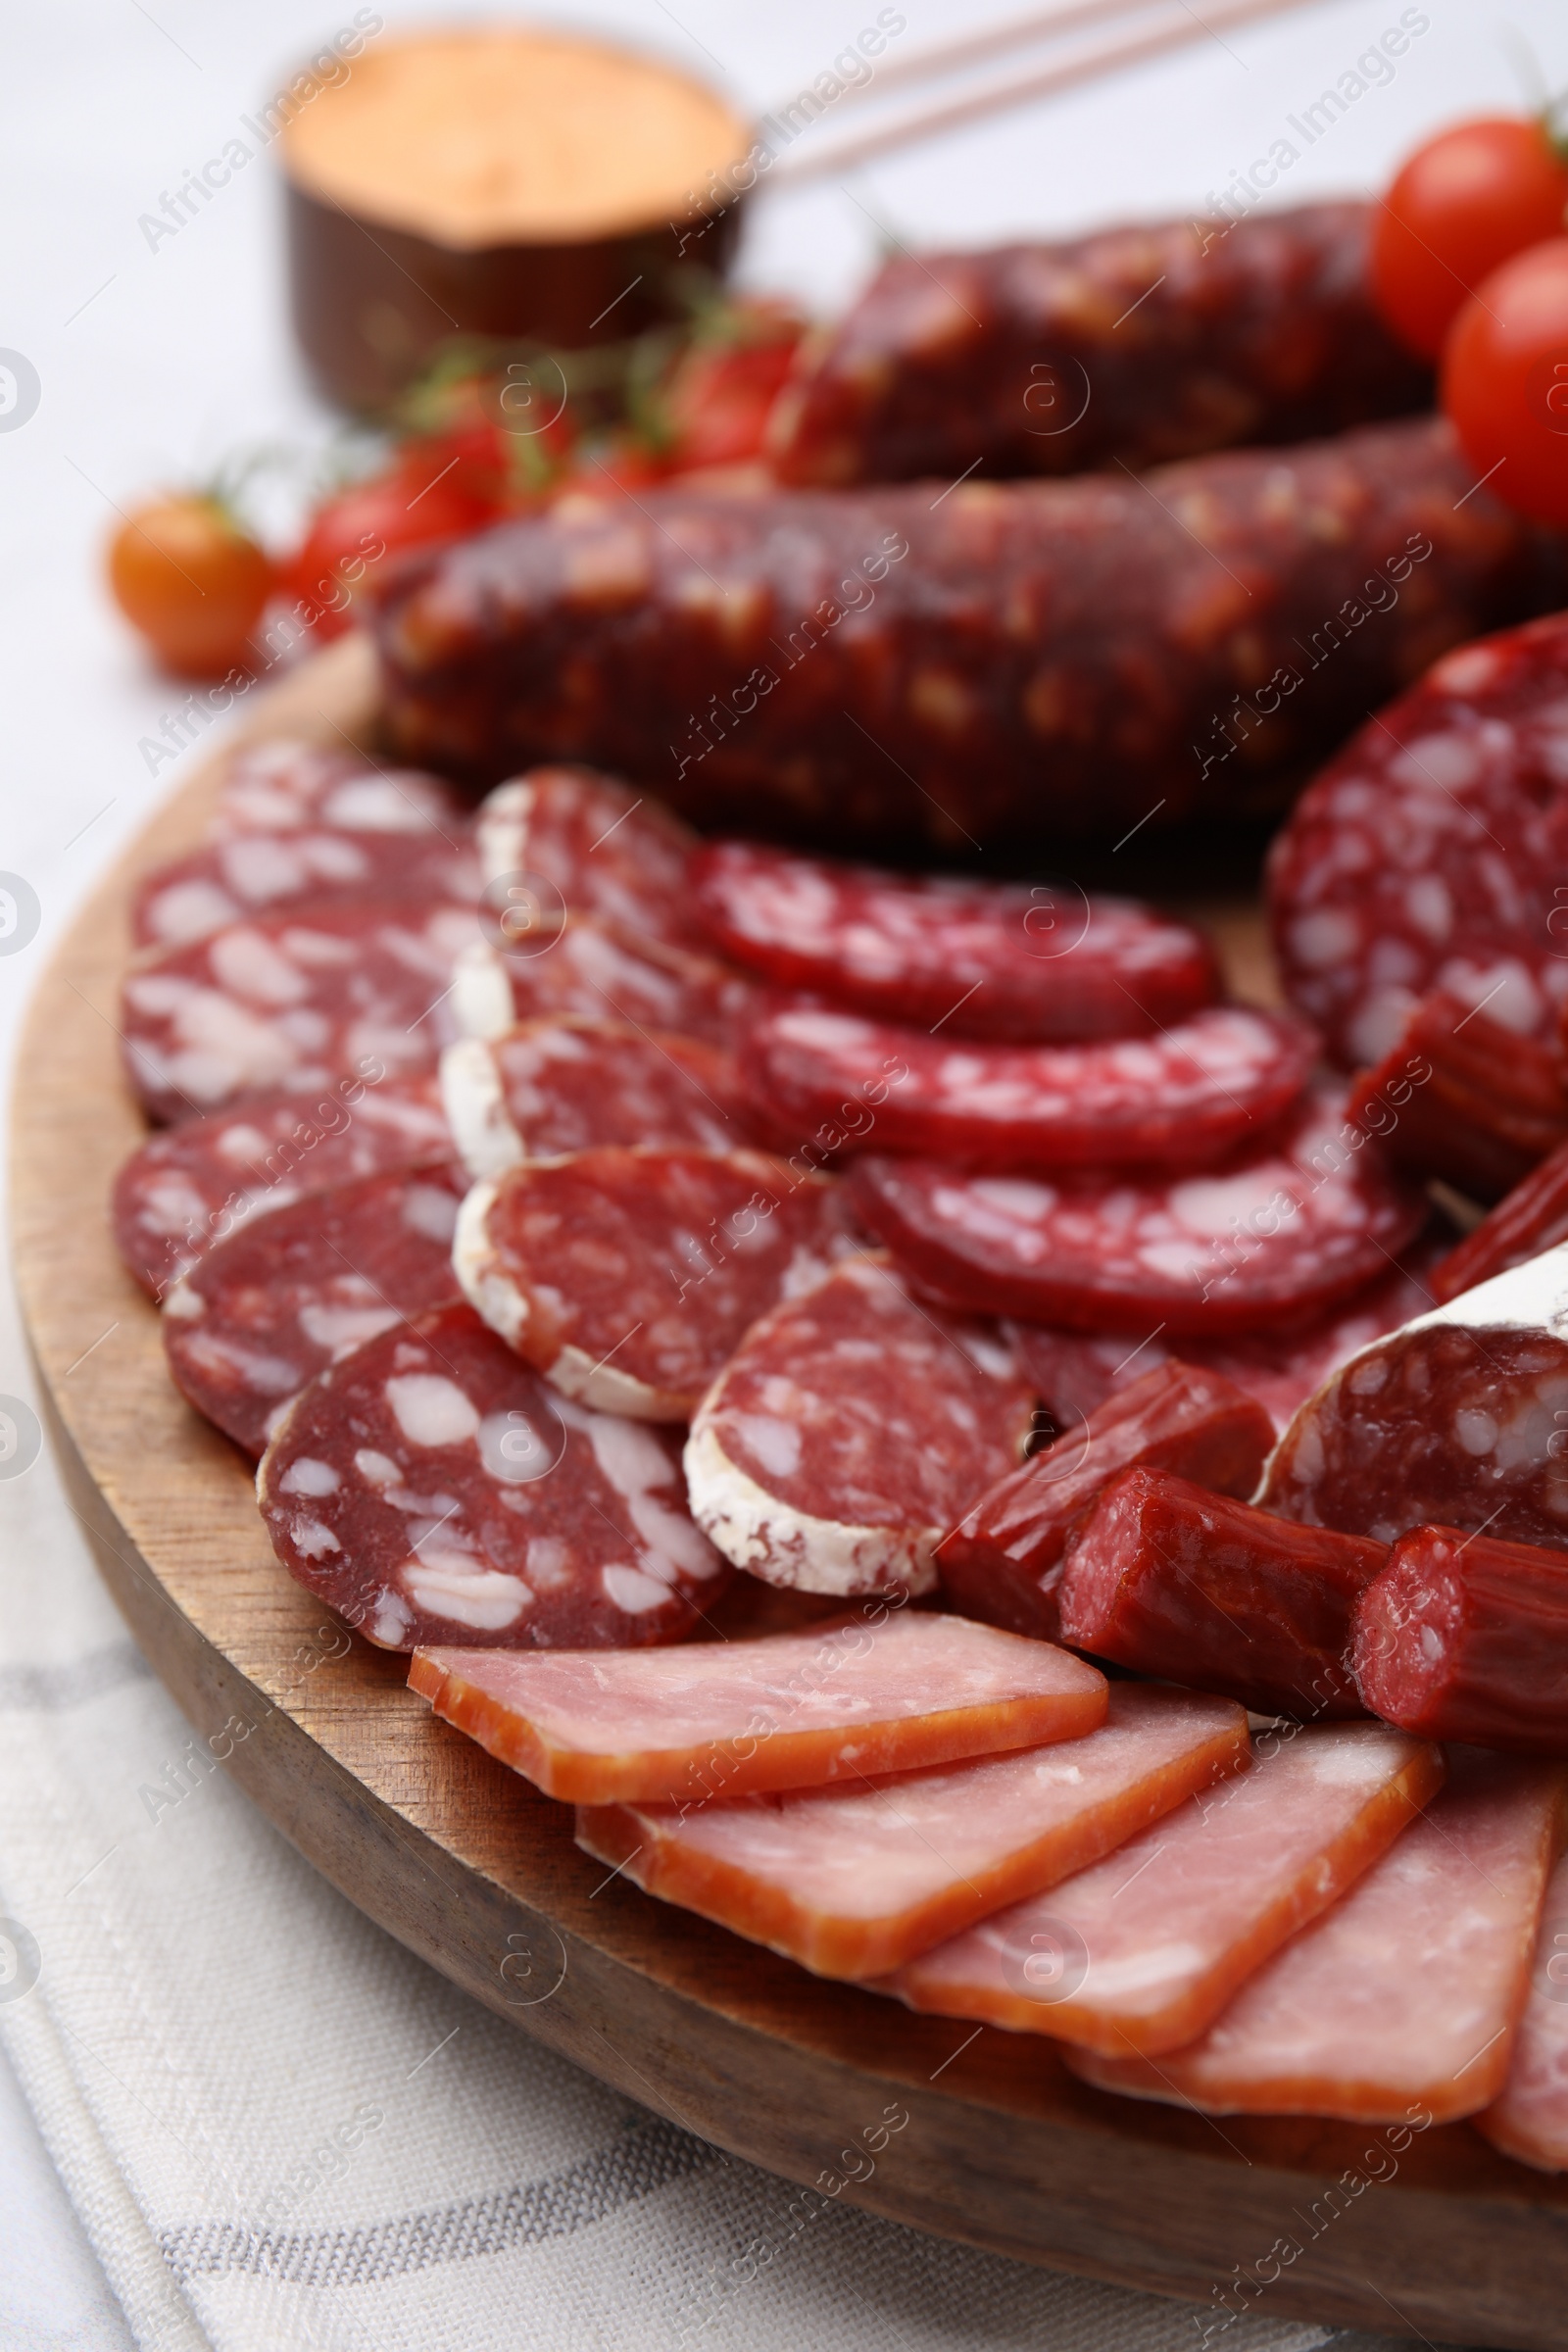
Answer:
[(431, 1488), (567, 1084), (1019, 661), (847, 1433), (1281, 1365), (597, 847), (631, 1277), (288, 786), (1202, 1588), (586, 968), (1183, 1098), (1004, 960), (1134, 344), (1461, 1096), (1532, 1217), (1463, 1638), (247, 873), (1003, 1561), (190, 1186), (1308, 1221), (289, 1293), (1427, 855), (1458, 1420), (362, 986)]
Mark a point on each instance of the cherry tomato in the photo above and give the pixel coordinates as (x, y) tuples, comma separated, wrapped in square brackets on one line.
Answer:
[(719, 402), (424, 496), (192, 581), (1462, 204), (619, 461), (1505, 381)]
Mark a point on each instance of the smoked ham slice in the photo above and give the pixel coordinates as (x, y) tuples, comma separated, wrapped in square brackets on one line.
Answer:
[(1405, 1997), (854, 1882), (1140, 1952), (1531, 2119), (884, 1692)]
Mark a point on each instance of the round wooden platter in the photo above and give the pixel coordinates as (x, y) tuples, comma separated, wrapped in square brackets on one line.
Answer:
[(464, 1864)]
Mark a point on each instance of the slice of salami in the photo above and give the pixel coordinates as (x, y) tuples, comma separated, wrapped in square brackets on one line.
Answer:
[(1281, 1365), (1003, 1561), (1463, 1638), (998, 960), (584, 967), (847, 1433), (190, 1186), (293, 1000), (1183, 1098), (289, 786), (290, 1294), (1461, 1096), (1457, 1419), (431, 1489), (606, 850), (1532, 1217), (629, 1277), (1308, 1220), (566, 1084), (1425, 854), (253, 872)]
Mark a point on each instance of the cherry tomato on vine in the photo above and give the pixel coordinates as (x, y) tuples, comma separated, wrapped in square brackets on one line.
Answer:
[(192, 580), (721, 397), (1459, 207), (1505, 381), (420, 498)]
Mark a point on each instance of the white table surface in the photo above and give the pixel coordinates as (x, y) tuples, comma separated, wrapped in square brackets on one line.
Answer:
[(156, 363)]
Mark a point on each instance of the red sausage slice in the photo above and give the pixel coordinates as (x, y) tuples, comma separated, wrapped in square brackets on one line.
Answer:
[(600, 848), (886, 1691), (584, 967), (566, 1084), (1003, 1561), (852, 1881), (1202, 1588), (628, 1278), (847, 1431), (1304, 1222), (190, 1186), (289, 785), (291, 1292), (1426, 856), (431, 1489), (1182, 1099), (1401, 2003), (293, 998), (981, 960), (249, 873), (1463, 1638)]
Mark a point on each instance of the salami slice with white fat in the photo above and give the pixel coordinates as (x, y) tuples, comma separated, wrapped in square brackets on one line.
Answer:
[(1455, 1420), (1310, 1220), (292, 998), (883, 1691), (296, 1289), (190, 1186), (566, 1084), (600, 847), (1000, 961), (848, 1432), (1427, 855), (628, 1278), (251, 873), (582, 967), (1182, 1099), (290, 786), (431, 1488), (1405, 1996)]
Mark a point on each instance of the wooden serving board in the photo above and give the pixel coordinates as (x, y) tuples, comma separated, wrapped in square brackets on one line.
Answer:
[(464, 1864)]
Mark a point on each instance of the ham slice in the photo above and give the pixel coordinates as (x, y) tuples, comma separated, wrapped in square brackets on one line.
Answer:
[(1531, 2119), (789, 1711), (1406, 1995), (1140, 1952), (854, 1882)]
